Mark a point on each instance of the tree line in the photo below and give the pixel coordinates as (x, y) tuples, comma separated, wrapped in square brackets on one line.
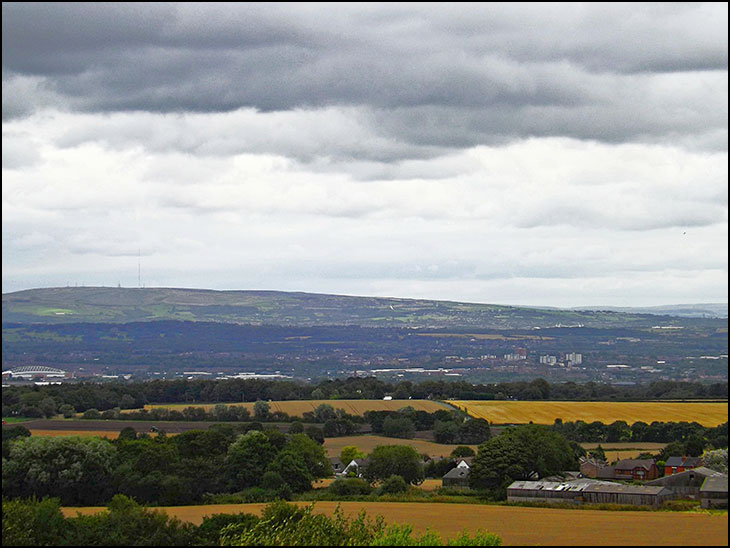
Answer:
[(692, 433), (46, 401)]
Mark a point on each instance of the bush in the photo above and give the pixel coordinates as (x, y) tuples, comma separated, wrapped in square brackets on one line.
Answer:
[(30, 522), (283, 524), (393, 485), (350, 486), (209, 531)]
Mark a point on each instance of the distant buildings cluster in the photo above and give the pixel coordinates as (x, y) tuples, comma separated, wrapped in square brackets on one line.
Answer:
[(570, 359)]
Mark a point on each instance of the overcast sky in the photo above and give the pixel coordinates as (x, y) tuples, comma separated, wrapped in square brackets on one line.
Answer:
[(551, 154)]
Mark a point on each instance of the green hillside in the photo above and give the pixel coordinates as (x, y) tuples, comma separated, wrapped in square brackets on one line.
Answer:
[(121, 305)]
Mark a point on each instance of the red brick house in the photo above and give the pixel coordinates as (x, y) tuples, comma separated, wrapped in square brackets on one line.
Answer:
[(636, 469), (674, 465)]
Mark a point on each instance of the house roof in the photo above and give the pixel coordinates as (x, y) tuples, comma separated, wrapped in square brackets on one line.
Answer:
[(457, 473), (595, 462), (630, 464), (683, 461)]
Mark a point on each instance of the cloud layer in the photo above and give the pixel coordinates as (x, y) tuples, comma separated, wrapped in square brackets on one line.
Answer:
[(529, 154)]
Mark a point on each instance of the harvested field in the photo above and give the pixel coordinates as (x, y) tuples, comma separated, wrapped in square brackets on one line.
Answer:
[(298, 407), (94, 433), (640, 445), (625, 449), (516, 525), (545, 412), (92, 427), (367, 442)]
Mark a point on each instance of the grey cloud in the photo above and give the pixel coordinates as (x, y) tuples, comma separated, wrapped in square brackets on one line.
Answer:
[(434, 75), (19, 151)]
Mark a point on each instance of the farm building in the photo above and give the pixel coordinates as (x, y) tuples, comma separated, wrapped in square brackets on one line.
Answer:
[(457, 477), (713, 493), (590, 467), (674, 465), (356, 467), (630, 469), (549, 491), (337, 467), (640, 495), (687, 483), (587, 491)]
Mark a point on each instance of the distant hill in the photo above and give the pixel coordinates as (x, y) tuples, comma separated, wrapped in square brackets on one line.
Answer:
[(122, 305), (707, 310)]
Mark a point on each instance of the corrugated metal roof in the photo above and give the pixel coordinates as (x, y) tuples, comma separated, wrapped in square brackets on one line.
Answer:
[(715, 484), (578, 485), (627, 489)]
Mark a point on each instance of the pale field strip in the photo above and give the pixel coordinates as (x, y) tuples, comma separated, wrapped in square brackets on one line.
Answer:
[(614, 445), (517, 526), (707, 414), (299, 407), (84, 433), (367, 442), (109, 434)]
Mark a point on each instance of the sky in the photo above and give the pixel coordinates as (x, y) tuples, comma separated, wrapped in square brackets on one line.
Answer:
[(526, 154)]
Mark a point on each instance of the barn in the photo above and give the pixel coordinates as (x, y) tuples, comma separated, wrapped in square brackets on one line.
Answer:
[(686, 484), (549, 491), (616, 493), (713, 493), (456, 477)]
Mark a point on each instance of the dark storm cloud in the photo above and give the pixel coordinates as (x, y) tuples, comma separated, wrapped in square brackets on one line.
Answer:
[(431, 75)]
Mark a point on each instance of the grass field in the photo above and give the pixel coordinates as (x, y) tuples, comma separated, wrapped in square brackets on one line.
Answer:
[(517, 526), (298, 407), (545, 412)]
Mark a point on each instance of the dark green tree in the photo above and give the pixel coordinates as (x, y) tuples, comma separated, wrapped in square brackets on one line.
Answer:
[(520, 453), (389, 460), (247, 460)]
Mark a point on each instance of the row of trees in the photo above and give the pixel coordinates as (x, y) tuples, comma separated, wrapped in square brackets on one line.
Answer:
[(662, 432), (49, 400), (163, 470)]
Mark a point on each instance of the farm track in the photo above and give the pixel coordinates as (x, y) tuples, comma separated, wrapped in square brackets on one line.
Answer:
[(517, 526)]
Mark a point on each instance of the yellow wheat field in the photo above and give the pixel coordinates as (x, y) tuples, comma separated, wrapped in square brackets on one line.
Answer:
[(545, 412), (299, 407), (516, 526)]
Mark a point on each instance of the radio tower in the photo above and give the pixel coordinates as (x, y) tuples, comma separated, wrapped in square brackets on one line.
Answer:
[(139, 268)]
